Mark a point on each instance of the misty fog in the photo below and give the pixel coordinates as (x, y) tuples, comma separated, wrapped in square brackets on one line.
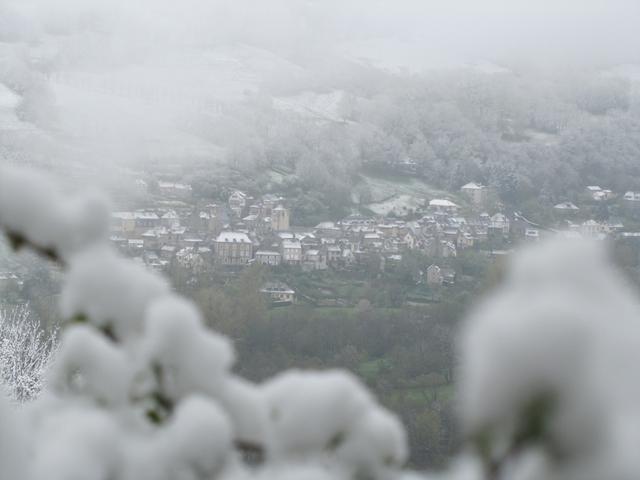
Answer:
[(123, 80), (319, 239)]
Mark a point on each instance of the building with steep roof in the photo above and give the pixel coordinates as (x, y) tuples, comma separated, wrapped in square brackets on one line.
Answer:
[(233, 248)]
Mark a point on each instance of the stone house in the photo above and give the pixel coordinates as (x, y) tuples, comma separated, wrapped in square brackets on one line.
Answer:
[(233, 248)]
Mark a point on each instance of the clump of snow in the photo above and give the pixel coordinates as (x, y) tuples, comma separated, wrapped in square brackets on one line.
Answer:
[(378, 445), (197, 441), (76, 444), (90, 365), (334, 400), (110, 291), (188, 357), (32, 206), (291, 471), (340, 418), (245, 403), (563, 329)]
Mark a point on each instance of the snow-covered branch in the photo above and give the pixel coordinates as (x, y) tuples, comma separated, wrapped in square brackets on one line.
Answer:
[(145, 390)]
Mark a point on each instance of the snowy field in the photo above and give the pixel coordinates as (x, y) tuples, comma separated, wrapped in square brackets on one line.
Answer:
[(400, 205), (8, 103), (323, 106)]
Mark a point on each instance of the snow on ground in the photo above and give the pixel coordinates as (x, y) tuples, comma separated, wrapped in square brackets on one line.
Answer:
[(384, 188), (400, 205), (542, 137), (325, 106), (9, 100), (126, 126), (404, 57), (151, 108), (400, 195)]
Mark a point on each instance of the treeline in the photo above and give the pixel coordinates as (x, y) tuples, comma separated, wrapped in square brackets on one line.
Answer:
[(534, 137)]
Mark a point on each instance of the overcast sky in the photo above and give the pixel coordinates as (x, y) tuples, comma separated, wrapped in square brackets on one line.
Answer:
[(587, 31), (584, 32)]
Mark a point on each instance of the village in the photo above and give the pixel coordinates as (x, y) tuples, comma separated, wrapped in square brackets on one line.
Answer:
[(246, 230), (198, 237)]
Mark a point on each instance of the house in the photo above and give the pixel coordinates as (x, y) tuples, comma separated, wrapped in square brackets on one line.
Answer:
[(146, 220), (520, 224), (327, 230), (291, 252), (237, 202), (124, 222), (592, 229), (119, 241), (476, 193), (190, 259), (214, 209), (348, 257), (599, 194), (387, 230), (464, 240), (279, 293), (499, 223), (410, 240), (434, 275), (209, 223), (532, 234), (603, 195), (372, 241), (268, 257), (195, 242), (251, 221), (170, 219), (448, 276), (174, 235), (280, 219), (333, 253), (154, 262), (309, 241), (632, 199), (439, 205), (167, 252), (566, 207), (314, 260), (481, 233), (151, 238), (134, 245), (447, 249), (356, 220), (233, 248)]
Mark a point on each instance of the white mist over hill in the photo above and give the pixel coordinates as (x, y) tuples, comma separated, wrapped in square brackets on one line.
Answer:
[(122, 81)]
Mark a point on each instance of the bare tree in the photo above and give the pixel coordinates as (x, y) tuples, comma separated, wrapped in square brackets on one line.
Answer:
[(25, 352)]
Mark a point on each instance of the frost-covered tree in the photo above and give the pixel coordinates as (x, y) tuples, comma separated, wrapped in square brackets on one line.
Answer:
[(25, 352)]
